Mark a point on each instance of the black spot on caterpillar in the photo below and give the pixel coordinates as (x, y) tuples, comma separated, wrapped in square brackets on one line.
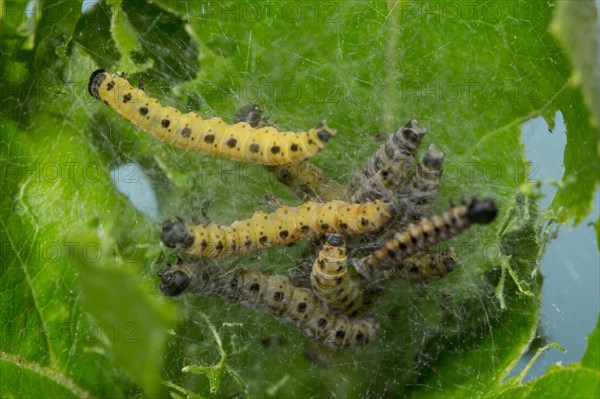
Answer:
[(273, 294), (424, 235), (387, 171), (209, 136), (306, 180), (284, 226), (331, 281)]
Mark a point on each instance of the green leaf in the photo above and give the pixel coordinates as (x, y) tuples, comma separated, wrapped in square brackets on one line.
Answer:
[(575, 24), (125, 37), (53, 182), (576, 380), (598, 233), (471, 72), (591, 358), (32, 380), (135, 332)]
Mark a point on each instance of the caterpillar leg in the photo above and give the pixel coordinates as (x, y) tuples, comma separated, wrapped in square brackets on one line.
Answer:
[(306, 180), (284, 226), (388, 170), (424, 235), (273, 294), (331, 281)]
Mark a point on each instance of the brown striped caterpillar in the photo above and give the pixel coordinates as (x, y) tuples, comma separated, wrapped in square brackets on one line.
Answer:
[(424, 235), (212, 136), (284, 226), (417, 198), (389, 168), (331, 281), (306, 180), (273, 294), (422, 190)]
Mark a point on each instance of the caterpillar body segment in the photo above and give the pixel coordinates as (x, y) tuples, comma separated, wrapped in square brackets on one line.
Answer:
[(284, 226), (389, 168), (424, 235), (331, 281), (213, 136), (273, 294)]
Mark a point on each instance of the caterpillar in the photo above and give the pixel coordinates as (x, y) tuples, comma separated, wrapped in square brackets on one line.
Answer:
[(418, 197), (284, 226), (422, 190), (330, 279), (212, 136), (306, 180), (273, 294), (425, 234), (390, 167), (425, 266)]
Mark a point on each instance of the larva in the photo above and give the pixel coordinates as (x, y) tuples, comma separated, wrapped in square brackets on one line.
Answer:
[(331, 281), (425, 266), (418, 197), (424, 235), (284, 226), (306, 180), (422, 190), (209, 136), (389, 168), (273, 294)]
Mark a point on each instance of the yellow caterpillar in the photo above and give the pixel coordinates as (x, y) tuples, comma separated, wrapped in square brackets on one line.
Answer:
[(330, 280), (273, 294), (284, 226), (209, 136), (424, 235)]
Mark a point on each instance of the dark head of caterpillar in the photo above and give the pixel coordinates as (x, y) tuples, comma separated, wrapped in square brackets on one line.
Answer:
[(433, 158), (335, 240), (96, 80), (323, 132), (173, 282), (251, 114), (175, 234), (482, 211)]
